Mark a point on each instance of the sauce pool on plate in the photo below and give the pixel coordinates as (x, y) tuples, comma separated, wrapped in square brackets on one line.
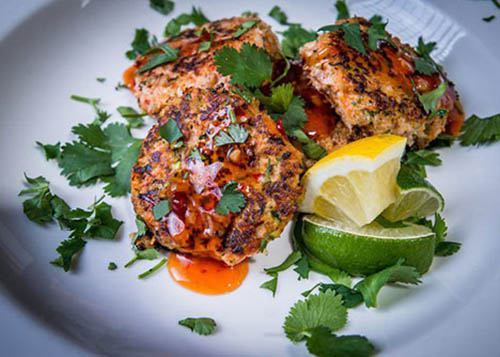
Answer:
[(205, 275)]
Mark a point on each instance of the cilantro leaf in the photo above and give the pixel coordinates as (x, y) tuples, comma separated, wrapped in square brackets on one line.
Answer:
[(375, 19), (161, 209), (169, 55), (442, 141), (146, 254), (371, 285), (422, 157), (350, 297), (50, 151), (279, 100), (324, 309), (249, 67), (278, 14), (236, 134), (271, 284), (101, 79), (342, 10), (302, 267), (352, 35), (164, 7), (140, 44), (295, 116), (38, 208), (294, 38), (141, 227), (112, 266), (440, 228), (102, 224), (244, 27), (92, 135), (323, 343), (197, 17), (489, 18), (292, 258), (310, 148), (82, 165), (376, 33), (430, 99), (424, 49), (232, 200), (153, 269), (67, 249), (480, 131), (445, 249), (424, 66), (201, 325), (170, 131)]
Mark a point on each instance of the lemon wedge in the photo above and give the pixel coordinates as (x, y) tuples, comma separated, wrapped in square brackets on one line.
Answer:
[(355, 183)]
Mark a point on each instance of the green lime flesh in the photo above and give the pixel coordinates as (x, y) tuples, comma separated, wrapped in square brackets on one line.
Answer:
[(369, 249)]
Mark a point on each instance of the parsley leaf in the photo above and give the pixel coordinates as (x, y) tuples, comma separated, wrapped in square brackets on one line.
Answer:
[(249, 67), (371, 285), (324, 309), (164, 7), (294, 38), (169, 55), (161, 209), (112, 266), (50, 151), (232, 200), (271, 284), (140, 44), (342, 10), (67, 249), (201, 325), (170, 131), (244, 27), (480, 131), (236, 134), (278, 14), (445, 249), (323, 343)]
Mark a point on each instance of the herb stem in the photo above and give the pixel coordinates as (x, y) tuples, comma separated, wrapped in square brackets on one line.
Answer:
[(285, 72), (153, 269), (132, 261)]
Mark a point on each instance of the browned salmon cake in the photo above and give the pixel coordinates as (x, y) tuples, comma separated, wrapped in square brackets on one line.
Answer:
[(227, 147), (374, 93), (195, 68)]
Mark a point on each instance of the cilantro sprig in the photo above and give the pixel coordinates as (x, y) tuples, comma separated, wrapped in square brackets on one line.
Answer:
[(196, 17), (232, 200), (140, 44), (164, 7), (236, 134), (480, 131), (201, 325)]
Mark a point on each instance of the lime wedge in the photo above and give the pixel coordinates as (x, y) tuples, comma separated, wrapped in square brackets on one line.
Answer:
[(417, 197), (368, 249)]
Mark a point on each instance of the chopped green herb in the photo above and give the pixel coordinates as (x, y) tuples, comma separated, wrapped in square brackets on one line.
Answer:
[(141, 227), (164, 7), (302, 267), (197, 17), (430, 99), (310, 148), (342, 10), (263, 244), (133, 118), (170, 131), (324, 309), (169, 55), (496, 3), (50, 151), (161, 209), (249, 67), (278, 14), (480, 131), (146, 254), (489, 18), (352, 35), (271, 284), (244, 27), (236, 134), (120, 85), (294, 38), (140, 44), (376, 19), (249, 14), (269, 170), (101, 79), (102, 115), (201, 325), (292, 258), (377, 33), (445, 249), (67, 249), (205, 45), (153, 269), (424, 66), (232, 200), (323, 343), (112, 266)]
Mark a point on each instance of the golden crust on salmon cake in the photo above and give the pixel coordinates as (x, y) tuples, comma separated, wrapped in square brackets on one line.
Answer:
[(215, 177), (195, 67), (378, 92)]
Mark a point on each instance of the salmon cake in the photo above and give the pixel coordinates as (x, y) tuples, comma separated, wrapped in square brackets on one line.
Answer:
[(378, 92), (195, 66), (215, 177)]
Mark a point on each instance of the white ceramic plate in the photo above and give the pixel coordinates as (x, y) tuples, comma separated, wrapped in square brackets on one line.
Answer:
[(52, 49)]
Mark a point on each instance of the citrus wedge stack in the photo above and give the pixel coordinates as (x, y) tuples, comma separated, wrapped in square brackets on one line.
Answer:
[(355, 183)]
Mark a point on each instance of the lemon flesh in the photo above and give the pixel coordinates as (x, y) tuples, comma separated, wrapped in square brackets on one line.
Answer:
[(371, 248), (355, 183)]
